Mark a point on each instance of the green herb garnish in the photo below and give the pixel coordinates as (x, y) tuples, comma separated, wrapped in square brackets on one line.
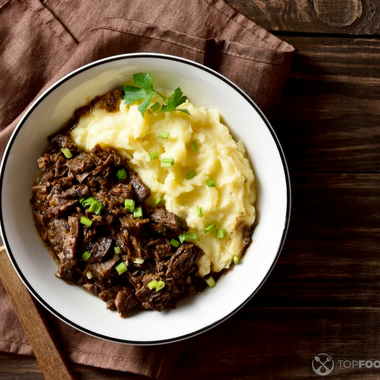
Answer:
[(156, 285), (129, 204), (210, 228), (155, 107), (153, 156), (163, 135), (158, 200), (95, 206), (160, 285), (221, 233), (87, 222), (210, 182), (86, 256), (191, 236), (188, 236), (175, 243), (167, 162), (121, 268), (210, 281), (121, 174), (66, 152), (144, 90), (193, 146), (138, 213), (191, 175), (88, 201), (174, 101)]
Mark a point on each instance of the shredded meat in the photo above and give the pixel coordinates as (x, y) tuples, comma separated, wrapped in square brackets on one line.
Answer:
[(88, 255), (71, 238), (81, 163)]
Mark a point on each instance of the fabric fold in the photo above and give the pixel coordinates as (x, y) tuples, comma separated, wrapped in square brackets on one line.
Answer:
[(54, 37)]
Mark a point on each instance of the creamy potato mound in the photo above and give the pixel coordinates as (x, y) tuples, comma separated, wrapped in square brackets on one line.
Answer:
[(230, 204)]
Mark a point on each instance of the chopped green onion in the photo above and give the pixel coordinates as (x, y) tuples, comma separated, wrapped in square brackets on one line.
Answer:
[(210, 228), (82, 200), (96, 207), (160, 285), (157, 285), (155, 107), (121, 268), (221, 233), (129, 204), (88, 201), (117, 250), (236, 260), (191, 236), (152, 284), (66, 152), (210, 281), (153, 156), (121, 174), (138, 213), (89, 275), (86, 256), (193, 146), (163, 135), (175, 243), (158, 200), (199, 211), (92, 206), (168, 159), (166, 164), (138, 261), (191, 174), (87, 222), (182, 238), (210, 182)]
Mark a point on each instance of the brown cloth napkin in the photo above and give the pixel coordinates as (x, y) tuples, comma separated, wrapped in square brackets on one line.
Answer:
[(40, 41)]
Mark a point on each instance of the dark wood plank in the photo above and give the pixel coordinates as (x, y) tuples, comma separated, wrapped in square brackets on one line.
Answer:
[(281, 343), (257, 343), (328, 117), (359, 17), (19, 367), (332, 254)]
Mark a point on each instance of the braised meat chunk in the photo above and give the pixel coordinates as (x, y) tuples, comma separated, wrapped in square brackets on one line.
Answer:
[(101, 230)]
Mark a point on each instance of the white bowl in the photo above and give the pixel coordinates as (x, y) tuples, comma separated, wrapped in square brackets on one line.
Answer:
[(88, 313)]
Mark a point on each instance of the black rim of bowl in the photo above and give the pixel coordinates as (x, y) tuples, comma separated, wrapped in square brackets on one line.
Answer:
[(133, 56)]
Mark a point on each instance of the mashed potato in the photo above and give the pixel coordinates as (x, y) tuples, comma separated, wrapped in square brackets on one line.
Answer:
[(229, 205)]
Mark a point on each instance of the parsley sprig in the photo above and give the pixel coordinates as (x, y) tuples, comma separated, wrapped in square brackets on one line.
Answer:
[(145, 90)]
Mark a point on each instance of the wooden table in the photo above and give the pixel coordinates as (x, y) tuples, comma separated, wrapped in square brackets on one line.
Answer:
[(324, 294)]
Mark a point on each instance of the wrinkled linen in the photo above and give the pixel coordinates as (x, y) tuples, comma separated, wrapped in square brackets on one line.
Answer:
[(40, 41)]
